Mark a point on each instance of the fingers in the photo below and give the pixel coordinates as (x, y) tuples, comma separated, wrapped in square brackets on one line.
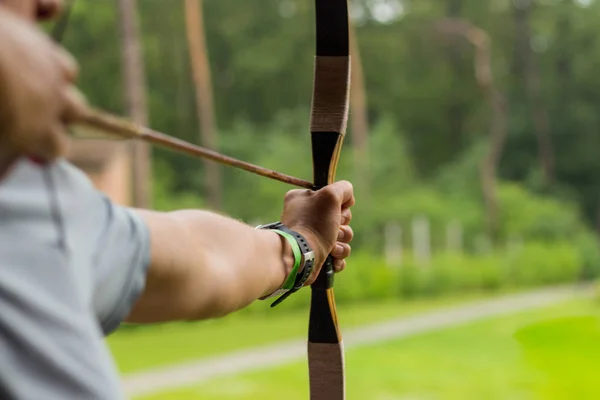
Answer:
[(345, 234), (323, 217), (346, 216), (343, 191), (339, 265), (67, 63), (341, 250)]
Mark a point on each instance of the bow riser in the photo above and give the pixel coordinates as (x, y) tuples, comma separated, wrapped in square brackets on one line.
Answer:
[(329, 116)]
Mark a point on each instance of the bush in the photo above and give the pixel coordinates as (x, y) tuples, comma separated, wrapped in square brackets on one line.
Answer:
[(588, 247), (536, 217), (545, 263), (369, 277)]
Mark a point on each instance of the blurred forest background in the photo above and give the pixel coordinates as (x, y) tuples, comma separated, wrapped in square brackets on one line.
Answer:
[(473, 147), (473, 136)]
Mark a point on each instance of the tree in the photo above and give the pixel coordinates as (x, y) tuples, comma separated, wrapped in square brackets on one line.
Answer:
[(204, 96), (135, 98), (498, 123), (529, 70)]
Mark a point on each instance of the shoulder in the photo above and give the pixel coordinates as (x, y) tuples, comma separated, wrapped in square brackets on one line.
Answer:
[(108, 244), (28, 175), (32, 194)]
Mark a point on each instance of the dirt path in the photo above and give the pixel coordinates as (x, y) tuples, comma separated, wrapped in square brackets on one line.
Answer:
[(190, 373)]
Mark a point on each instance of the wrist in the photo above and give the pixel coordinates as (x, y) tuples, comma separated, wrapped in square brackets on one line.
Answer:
[(283, 263), (287, 255), (315, 242), (303, 258)]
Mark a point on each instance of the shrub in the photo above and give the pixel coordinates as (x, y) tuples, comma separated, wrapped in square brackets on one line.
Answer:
[(541, 263)]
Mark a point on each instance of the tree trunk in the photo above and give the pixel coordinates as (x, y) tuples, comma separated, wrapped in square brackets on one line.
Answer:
[(564, 68), (530, 72), (457, 110), (359, 118), (498, 124), (204, 96), (135, 99)]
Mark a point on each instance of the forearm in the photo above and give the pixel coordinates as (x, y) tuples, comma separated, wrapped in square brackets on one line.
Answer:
[(206, 265)]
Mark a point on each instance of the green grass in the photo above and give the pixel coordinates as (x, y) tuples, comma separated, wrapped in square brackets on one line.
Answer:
[(550, 353), (146, 347)]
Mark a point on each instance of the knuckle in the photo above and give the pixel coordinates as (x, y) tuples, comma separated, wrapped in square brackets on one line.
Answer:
[(328, 193), (348, 233), (293, 194), (347, 186), (290, 195), (348, 215), (69, 66)]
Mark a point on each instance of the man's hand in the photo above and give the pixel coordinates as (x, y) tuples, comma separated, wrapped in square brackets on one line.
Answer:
[(323, 218), (205, 265), (32, 10), (37, 96)]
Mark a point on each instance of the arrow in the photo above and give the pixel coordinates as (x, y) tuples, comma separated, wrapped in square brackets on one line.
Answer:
[(99, 122)]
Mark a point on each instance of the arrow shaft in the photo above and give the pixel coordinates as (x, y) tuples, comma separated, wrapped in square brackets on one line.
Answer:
[(115, 126)]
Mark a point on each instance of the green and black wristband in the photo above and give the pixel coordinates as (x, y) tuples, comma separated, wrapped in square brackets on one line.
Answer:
[(304, 259)]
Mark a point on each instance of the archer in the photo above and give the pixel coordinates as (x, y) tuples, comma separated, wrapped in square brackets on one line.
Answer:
[(74, 266)]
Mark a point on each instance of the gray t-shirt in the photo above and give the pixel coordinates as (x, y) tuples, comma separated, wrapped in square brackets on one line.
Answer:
[(72, 264)]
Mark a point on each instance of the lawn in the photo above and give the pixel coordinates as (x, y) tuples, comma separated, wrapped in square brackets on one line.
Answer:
[(549, 353), (146, 347)]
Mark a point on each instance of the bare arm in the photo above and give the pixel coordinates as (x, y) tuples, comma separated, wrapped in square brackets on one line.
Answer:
[(206, 265)]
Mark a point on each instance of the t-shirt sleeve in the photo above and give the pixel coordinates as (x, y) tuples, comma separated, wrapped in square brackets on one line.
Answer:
[(70, 262), (121, 262)]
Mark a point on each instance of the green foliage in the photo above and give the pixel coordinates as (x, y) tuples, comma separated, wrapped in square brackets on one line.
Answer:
[(429, 129), (165, 197), (544, 263), (588, 246), (369, 278), (528, 215), (429, 119), (535, 264)]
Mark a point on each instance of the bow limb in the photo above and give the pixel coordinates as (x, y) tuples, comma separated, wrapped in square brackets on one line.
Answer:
[(329, 115)]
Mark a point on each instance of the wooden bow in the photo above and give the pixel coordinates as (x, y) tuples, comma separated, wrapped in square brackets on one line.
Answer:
[(329, 117)]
